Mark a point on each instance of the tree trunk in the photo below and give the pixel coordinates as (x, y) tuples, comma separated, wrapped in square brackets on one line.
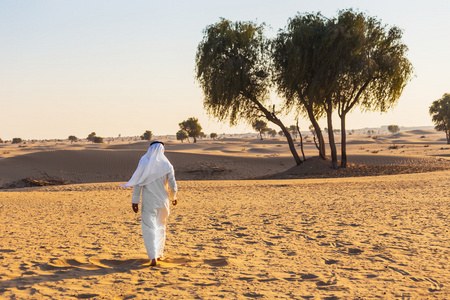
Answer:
[(331, 138), (343, 142), (318, 133), (260, 135), (298, 161), (301, 141), (272, 118), (195, 140)]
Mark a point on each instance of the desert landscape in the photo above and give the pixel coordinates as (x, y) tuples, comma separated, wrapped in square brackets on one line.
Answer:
[(248, 224)]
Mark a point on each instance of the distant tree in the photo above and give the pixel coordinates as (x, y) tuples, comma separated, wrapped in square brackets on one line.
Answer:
[(233, 70), (147, 135), (271, 132), (182, 135), (261, 127), (293, 131), (192, 127), (17, 140), (202, 135), (1, 141), (213, 135), (440, 113), (281, 133), (393, 128), (72, 138), (91, 136), (98, 140)]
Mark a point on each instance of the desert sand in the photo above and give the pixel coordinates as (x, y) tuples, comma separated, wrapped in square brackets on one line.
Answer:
[(248, 224)]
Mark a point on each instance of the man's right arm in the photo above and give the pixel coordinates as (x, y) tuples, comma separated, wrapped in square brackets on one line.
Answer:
[(135, 199)]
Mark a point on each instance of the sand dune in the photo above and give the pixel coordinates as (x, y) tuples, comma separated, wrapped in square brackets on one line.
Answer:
[(339, 237), (375, 237)]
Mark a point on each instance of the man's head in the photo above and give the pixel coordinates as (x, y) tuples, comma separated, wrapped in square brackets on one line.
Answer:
[(156, 142)]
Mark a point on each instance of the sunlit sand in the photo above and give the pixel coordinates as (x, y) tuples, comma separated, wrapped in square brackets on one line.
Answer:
[(309, 235)]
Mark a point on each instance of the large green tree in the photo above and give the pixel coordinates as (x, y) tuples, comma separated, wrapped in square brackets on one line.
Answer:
[(192, 127), (233, 69), (302, 67), (440, 113), (373, 68)]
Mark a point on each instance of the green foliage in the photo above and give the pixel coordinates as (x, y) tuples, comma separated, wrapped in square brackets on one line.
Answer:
[(147, 135), (352, 60), (17, 140), (304, 62), (440, 114), (232, 68), (213, 135), (181, 135), (72, 138), (374, 69), (98, 140), (393, 128), (91, 136), (192, 127)]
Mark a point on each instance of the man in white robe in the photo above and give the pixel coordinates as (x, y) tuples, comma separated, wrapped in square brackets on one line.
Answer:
[(154, 180)]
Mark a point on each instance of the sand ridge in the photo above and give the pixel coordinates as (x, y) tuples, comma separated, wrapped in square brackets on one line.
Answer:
[(225, 159)]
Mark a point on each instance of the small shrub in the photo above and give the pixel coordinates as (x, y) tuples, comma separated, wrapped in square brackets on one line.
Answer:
[(17, 140), (393, 147), (147, 135), (98, 140)]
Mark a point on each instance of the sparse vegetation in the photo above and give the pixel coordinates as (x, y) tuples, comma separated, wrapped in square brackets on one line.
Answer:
[(261, 127), (91, 136), (72, 138), (271, 132), (98, 140), (393, 128), (440, 113), (147, 135), (17, 140), (192, 127), (182, 135)]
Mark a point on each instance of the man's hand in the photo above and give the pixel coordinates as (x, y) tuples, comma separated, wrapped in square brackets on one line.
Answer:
[(135, 207), (174, 202)]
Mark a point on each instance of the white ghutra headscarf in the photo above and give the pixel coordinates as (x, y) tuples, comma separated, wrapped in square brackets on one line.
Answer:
[(153, 165)]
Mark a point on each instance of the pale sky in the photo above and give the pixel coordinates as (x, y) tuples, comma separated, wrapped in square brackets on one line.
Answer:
[(122, 67)]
